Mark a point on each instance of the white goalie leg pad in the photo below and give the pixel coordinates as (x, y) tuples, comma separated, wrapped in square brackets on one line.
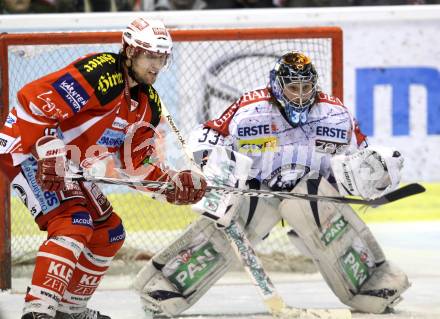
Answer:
[(180, 274), (344, 250)]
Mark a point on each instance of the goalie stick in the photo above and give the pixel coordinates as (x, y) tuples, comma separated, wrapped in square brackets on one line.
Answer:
[(400, 193)]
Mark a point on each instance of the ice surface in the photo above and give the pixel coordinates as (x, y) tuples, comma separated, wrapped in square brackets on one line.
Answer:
[(415, 247)]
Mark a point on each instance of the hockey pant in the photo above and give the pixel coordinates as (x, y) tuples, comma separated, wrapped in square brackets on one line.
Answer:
[(84, 234)]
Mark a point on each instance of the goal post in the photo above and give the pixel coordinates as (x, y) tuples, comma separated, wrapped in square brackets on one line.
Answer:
[(210, 68)]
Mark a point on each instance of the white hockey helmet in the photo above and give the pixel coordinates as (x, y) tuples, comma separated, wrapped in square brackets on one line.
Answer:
[(148, 35)]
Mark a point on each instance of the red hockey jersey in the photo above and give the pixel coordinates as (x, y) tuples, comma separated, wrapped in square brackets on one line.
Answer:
[(89, 105)]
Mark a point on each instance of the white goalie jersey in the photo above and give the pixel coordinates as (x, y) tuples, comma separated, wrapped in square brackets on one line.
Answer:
[(254, 126)]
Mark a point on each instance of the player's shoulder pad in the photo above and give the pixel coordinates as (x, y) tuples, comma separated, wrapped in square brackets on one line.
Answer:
[(221, 124), (322, 97), (104, 74), (154, 102)]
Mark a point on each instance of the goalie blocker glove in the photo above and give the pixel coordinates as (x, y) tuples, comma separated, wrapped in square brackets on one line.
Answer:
[(50, 153)]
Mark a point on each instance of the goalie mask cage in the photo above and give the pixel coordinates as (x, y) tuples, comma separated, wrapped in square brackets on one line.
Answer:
[(209, 70)]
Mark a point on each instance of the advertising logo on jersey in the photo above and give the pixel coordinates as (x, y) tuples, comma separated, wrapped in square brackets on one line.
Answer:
[(72, 92), (111, 138), (49, 108), (119, 123), (331, 138), (258, 145), (109, 80), (48, 200), (247, 131), (97, 61), (82, 218), (255, 96), (330, 147), (116, 234), (333, 133), (101, 71)]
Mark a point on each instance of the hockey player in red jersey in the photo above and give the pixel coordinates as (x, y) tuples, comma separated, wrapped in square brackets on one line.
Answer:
[(89, 108)]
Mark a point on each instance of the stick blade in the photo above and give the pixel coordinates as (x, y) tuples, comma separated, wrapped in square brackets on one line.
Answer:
[(405, 191), (289, 313), (327, 314)]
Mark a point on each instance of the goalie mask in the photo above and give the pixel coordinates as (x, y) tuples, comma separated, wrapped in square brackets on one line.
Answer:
[(293, 82)]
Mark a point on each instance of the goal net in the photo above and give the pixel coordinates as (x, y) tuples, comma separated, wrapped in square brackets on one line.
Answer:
[(209, 70)]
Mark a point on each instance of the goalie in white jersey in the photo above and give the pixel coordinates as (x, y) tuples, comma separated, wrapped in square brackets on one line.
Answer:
[(302, 140)]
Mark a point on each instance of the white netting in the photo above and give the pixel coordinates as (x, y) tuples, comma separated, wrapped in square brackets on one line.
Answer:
[(205, 77)]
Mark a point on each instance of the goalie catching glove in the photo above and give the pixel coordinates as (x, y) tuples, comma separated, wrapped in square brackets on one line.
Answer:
[(188, 187), (370, 172), (50, 153)]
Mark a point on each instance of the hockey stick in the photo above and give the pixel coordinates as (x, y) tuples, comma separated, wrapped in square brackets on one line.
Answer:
[(400, 193), (253, 266)]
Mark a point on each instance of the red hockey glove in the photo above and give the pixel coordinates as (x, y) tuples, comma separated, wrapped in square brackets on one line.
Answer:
[(50, 153), (189, 188)]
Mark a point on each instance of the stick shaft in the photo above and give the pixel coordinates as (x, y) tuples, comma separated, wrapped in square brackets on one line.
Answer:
[(253, 266), (403, 192)]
